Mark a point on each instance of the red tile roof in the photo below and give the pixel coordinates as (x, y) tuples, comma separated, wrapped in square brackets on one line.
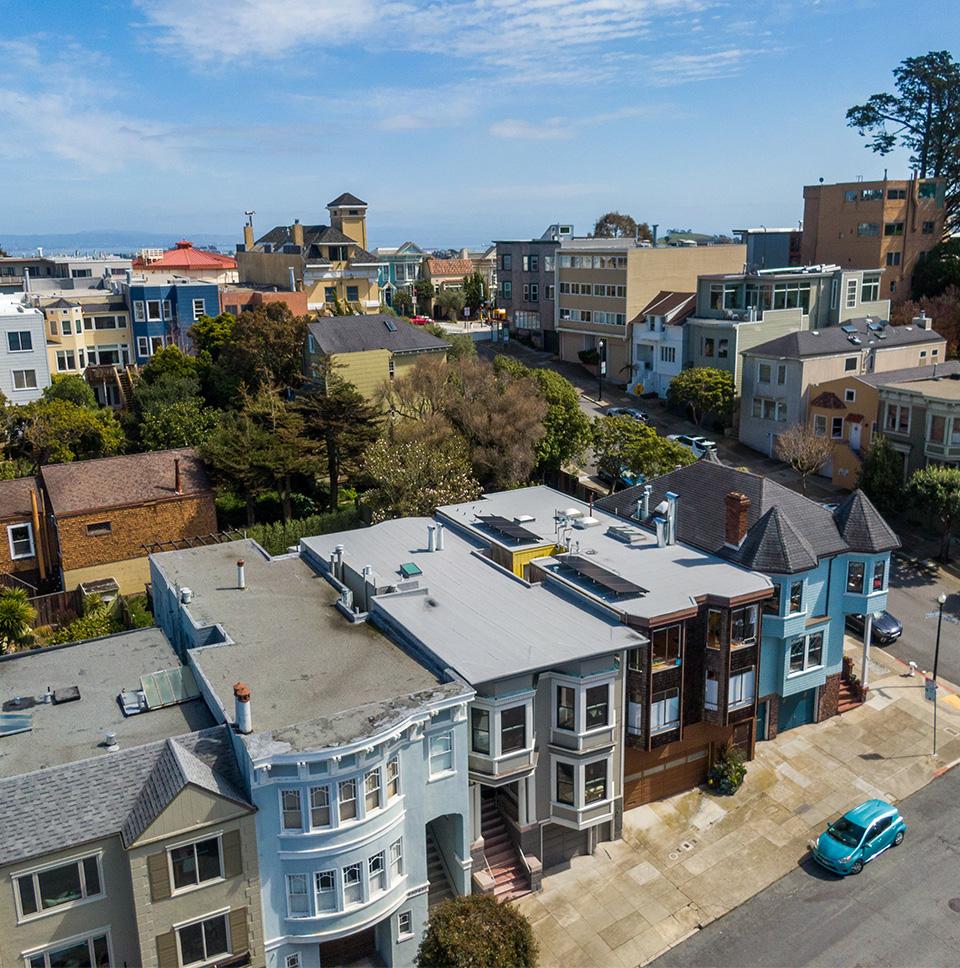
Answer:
[(185, 256), (450, 267)]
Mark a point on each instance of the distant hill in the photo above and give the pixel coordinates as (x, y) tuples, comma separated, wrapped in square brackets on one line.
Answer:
[(112, 241)]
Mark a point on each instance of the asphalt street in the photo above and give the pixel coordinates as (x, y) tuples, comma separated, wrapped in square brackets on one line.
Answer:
[(913, 599), (904, 909)]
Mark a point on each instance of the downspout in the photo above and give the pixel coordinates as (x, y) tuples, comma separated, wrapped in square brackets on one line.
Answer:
[(38, 538)]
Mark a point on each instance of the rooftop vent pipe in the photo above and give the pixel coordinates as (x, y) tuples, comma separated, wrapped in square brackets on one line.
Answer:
[(241, 575), (293, 280), (672, 500), (431, 538), (242, 713), (440, 530), (647, 491), (110, 742)]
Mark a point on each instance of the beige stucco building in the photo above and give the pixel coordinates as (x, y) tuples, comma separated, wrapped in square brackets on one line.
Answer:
[(603, 284)]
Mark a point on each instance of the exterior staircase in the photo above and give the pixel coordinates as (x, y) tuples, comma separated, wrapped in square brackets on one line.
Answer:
[(509, 873), (126, 386), (849, 698), (440, 887)]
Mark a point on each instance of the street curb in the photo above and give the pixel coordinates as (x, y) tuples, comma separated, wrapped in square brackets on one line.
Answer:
[(945, 684), (946, 769)]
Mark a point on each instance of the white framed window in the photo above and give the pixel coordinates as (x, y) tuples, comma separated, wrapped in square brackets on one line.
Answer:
[(740, 690), (347, 800), (167, 310), (353, 885), (325, 890), (298, 896), (566, 708), (139, 311), (393, 777), (195, 864), (850, 395), (66, 360), (597, 706), (897, 419), (851, 300), (581, 784), (441, 754), (377, 873), (404, 925), (92, 949), (371, 791), (154, 310), (52, 888), (319, 807), (199, 308), (291, 815), (24, 379), (806, 653), (595, 782), (513, 729), (396, 860), (668, 354), (204, 940), (20, 341), (143, 346), (20, 539), (665, 711)]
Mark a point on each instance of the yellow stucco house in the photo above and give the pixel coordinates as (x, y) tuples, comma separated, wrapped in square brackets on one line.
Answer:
[(367, 351)]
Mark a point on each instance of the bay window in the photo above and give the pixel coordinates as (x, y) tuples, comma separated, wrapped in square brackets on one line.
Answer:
[(393, 777), (298, 899), (796, 597), (595, 782), (325, 890), (772, 605), (480, 730), (377, 873), (598, 706), (714, 628), (711, 690), (665, 711), (347, 796), (855, 577), (565, 784), (806, 652), (320, 807), (665, 645), (290, 814), (396, 860), (879, 573), (371, 785), (352, 885), (566, 707), (743, 626)]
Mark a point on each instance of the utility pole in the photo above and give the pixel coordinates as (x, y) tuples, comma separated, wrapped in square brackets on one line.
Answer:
[(601, 366), (941, 601)]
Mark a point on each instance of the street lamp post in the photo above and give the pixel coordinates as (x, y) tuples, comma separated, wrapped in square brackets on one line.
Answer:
[(600, 365), (941, 600)]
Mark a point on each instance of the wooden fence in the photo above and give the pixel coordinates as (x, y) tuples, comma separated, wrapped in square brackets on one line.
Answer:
[(58, 608)]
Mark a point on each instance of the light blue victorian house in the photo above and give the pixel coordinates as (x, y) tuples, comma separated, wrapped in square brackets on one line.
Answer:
[(399, 268), (825, 564)]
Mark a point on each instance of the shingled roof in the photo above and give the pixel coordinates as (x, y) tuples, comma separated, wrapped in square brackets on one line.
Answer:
[(345, 199), (801, 532), (835, 340), (862, 526), (313, 237), (354, 334), (15, 503), (61, 807)]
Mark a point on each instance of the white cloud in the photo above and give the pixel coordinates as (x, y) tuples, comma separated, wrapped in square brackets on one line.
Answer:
[(553, 129), (686, 68)]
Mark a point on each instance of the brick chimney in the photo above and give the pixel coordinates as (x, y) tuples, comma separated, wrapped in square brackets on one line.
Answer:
[(177, 480), (296, 232), (736, 513)]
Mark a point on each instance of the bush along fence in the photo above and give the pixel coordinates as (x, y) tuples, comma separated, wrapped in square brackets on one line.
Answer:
[(276, 538)]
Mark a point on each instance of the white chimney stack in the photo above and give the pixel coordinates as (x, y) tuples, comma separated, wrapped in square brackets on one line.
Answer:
[(672, 500), (440, 530), (647, 491), (241, 575), (242, 714), (431, 538)]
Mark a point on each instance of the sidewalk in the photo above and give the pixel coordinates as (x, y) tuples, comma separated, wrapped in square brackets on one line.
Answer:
[(685, 861)]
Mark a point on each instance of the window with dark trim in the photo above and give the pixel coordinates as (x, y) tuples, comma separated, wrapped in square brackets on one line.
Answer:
[(566, 707), (879, 569), (99, 527), (480, 730), (714, 628), (598, 706), (565, 783), (665, 645), (595, 782), (796, 597), (855, 577), (772, 605), (513, 729)]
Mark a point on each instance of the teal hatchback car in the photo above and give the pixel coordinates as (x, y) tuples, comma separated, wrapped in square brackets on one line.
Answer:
[(858, 836)]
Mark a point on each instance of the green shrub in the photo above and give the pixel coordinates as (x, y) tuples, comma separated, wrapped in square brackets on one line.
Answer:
[(97, 620), (589, 357), (276, 538), (727, 773), (477, 932), (138, 615)]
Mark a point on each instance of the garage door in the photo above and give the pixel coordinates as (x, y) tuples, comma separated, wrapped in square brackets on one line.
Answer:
[(349, 950), (796, 710), (665, 779), (560, 844)]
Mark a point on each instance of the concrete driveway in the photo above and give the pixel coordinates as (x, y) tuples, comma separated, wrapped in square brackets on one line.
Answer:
[(685, 861)]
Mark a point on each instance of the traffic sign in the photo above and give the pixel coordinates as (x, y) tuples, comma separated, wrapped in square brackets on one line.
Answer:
[(930, 689)]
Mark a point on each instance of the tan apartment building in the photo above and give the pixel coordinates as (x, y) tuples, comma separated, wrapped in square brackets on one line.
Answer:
[(330, 263), (887, 223), (603, 284), (128, 837), (782, 376)]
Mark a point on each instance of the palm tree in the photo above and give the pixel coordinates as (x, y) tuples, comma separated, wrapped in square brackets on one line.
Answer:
[(16, 616)]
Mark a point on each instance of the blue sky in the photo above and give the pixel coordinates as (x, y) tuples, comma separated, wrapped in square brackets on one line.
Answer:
[(457, 121)]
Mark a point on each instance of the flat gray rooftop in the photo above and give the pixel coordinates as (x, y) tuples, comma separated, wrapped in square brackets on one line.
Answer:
[(475, 617), (674, 576), (101, 668), (307, 666)]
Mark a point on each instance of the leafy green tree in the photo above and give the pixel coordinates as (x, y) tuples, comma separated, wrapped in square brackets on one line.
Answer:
[(613, 225), (58, 431), (461, 345), (475, 931), (424, 291), (403, 301), (923, 116), (702, 390), (451, 301), (938, 270), (881, 475), (622, 442), (98, 619), (210, 334), (69, 386), (567, 427), (185, 423), (474, 290), (343, 422), (17, 616), (936, 491), (415, 477), (171, 361)]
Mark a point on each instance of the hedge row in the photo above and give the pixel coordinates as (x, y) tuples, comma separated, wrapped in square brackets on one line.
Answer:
[(276, 538)]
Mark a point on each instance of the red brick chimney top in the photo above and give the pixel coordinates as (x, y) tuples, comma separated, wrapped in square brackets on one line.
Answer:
[(736, 517)]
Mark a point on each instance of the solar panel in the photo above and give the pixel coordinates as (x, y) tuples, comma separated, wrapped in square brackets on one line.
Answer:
[(607, 579), (508, 529), (169, 687), (11, 723)]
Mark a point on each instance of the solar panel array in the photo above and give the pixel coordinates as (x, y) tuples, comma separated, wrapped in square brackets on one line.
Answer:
[(11, 723), (169, 687), (508, 528), (607, 579)]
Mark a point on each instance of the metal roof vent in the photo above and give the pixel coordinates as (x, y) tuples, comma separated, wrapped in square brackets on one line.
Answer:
[(110, 742), (587, 522)]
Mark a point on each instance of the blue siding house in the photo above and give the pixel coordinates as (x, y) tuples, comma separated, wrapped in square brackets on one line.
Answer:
[(163, 310), (399, 268), (824, 565)]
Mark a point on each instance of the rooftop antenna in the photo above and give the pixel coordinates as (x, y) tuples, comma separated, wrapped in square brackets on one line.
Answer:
[(250, 215)]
